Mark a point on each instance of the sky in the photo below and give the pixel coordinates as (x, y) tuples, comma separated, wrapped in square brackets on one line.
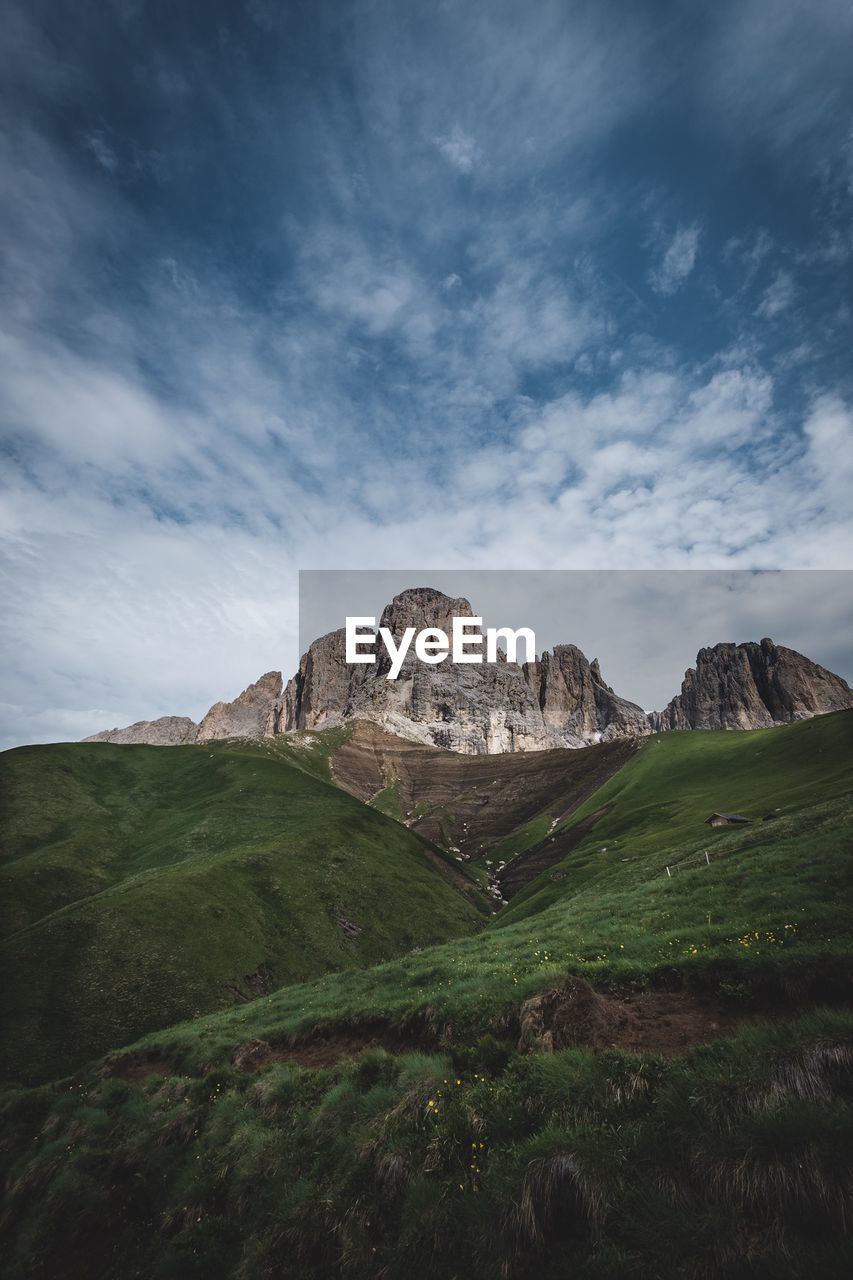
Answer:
[(370, 284)]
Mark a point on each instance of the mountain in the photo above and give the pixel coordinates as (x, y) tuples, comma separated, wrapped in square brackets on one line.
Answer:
[(254, 714), (752, 686), (471, 805), (168, 731), (559, 700)]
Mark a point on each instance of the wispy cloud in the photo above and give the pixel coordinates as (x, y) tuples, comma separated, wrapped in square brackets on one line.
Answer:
[(102, 151), (459, 149), (778, 296), (369, 283), (779, 82), (676, 262)]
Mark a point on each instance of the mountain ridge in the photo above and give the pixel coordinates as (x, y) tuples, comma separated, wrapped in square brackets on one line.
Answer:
[(558, 700)]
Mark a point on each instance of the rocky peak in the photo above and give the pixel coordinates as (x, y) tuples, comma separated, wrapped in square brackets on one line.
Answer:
[(256, 713), (421, 607), (479, 708), (752, 686), (251, 715), (573, 695), (322, 688)]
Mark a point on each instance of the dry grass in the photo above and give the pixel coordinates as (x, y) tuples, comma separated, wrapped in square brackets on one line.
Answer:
[(558, 1197)]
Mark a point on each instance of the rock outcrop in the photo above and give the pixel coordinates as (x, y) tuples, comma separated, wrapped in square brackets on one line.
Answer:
[(558, 700), (752, 686), (256, 713), (574, 698), (168, 731)]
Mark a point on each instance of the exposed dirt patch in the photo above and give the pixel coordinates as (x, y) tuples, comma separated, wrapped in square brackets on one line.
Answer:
[(665, 1022), (473, 802), (571, 1015), (137, 1067)]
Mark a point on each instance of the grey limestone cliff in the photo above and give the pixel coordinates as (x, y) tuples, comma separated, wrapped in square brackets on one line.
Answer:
[(559, 700), (752, 686)]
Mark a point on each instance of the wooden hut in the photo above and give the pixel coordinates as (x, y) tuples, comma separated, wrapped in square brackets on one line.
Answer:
[(726, 820)]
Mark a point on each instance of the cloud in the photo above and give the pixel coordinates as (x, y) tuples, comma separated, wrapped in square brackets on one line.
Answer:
[(459, 149), (677, 261), (732, 409), (129, 615), (829, 431), (85, 413), (256, 350), (750, 253), (778, 296), (102, 151), (134, 613), (780, 82)]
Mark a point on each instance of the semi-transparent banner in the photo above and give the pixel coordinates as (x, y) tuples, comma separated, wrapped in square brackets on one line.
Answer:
[(644, 627)]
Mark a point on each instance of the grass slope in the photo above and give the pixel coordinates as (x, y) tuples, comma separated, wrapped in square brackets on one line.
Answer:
[(729, 1162), (141, 885), (656, 804), (464, 1156)]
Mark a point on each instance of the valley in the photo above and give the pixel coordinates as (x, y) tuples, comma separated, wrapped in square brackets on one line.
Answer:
[(646, 1057), (470, 804)]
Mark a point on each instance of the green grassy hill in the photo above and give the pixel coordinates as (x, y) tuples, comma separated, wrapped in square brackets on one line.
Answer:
[(694, 1120), (616, 922), (141, 885), (651, 813)]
